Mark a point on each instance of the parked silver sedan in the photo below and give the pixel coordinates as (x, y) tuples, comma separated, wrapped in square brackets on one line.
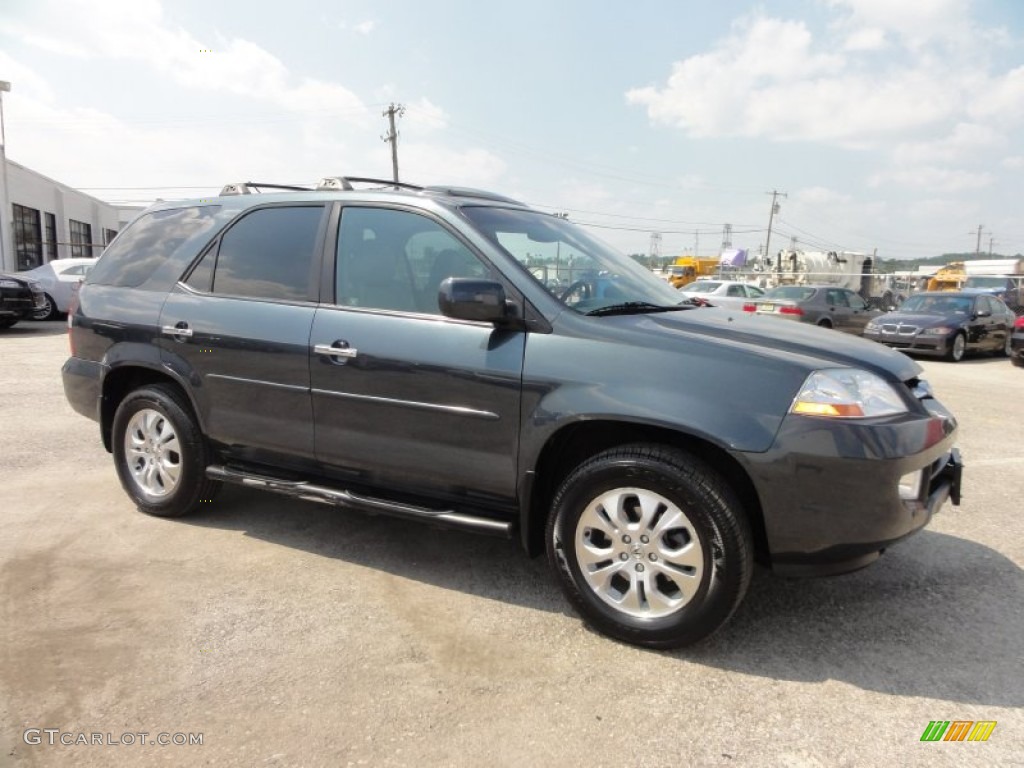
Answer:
[(824, 305), (732, 294), (57, 279)]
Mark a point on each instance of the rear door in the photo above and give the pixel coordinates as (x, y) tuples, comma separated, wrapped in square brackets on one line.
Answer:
[(403, 397), (838, 309), (237, 327)]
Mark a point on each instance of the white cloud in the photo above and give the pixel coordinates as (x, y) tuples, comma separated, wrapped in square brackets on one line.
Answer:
[(771, 79), (1014, 162), (365, 27), (933, 178), (291, 128), (965, 140), (865, 39)]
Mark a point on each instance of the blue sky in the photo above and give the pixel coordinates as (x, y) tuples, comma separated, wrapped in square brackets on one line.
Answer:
[(888, 124)]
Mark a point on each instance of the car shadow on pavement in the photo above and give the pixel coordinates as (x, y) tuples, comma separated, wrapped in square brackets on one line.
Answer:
[(938, 616), (36, 328)]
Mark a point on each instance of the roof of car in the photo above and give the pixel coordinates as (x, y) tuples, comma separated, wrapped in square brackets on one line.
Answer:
[(250, 193)]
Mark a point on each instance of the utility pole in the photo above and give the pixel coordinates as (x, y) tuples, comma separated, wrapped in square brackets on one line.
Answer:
[(977, 245), (990, 241), (775, 209), (696, 243), (727, 237), (392, 135)]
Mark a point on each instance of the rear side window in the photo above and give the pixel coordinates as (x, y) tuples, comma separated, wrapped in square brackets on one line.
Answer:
[(148, 243), (268, 254)]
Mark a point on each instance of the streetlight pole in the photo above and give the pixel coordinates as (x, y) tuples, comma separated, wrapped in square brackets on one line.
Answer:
[(5, 206)]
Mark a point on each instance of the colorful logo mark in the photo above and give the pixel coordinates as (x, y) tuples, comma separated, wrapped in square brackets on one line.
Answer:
[(958, 730)]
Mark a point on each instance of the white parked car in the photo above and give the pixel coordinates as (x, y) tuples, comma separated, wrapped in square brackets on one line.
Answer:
[(58, 280), (722, 293)]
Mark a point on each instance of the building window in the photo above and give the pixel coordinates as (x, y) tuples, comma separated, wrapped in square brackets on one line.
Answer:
[(27, 240), (108, 235), (81, 239), (51, 236)]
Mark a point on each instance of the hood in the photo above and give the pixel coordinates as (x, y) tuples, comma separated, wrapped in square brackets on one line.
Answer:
[(921, 319), (771, 338)]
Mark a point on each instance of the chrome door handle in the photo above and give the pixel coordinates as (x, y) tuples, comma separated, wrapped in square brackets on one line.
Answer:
[(331, 351), (173, 330)]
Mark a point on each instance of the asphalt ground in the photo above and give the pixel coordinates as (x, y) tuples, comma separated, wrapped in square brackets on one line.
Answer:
[(284, 633)]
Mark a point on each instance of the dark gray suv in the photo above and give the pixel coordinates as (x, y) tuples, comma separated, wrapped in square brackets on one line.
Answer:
[(392, 350)]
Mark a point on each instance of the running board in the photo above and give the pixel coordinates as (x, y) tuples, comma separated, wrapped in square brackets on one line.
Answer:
[(300, 489)]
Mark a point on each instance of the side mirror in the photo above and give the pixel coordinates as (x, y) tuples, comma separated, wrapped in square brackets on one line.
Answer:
[(468, 298)]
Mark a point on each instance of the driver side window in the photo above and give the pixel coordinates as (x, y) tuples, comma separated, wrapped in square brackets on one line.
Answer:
[(396, 260)]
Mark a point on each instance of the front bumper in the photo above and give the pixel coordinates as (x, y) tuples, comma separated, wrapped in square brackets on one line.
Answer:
[(829, 491), (919, 344)]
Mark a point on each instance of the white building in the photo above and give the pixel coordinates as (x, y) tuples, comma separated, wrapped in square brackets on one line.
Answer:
[(45, 220)]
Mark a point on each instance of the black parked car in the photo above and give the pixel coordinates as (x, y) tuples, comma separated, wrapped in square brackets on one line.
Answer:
[(947, 324), (389, 351), (20, 298)]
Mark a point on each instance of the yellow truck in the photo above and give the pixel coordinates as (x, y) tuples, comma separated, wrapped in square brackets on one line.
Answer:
[(950, 278), (686, 269)]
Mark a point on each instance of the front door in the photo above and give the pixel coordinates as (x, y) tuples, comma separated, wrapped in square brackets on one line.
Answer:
[(404, 398)]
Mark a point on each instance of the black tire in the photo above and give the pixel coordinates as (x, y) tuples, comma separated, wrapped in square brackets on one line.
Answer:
[(1007, 349), (825, 323), (48, 312), (957, 349), (168, 413), (712, 525)]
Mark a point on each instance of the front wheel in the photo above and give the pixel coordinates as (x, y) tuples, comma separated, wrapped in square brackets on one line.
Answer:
[(650, 545), (160, 452), (957, 348), (1007, 349)]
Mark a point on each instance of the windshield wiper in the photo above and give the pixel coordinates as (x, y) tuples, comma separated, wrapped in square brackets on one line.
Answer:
[(633, 308)]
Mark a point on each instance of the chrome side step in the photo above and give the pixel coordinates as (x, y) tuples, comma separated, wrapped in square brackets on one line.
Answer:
[(301, 489)]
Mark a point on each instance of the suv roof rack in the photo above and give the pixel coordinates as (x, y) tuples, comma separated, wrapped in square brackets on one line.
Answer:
[(345, 182), (248, 187)]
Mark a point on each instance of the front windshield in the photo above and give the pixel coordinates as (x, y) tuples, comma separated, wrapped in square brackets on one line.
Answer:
[(936, 304), (582, 272)]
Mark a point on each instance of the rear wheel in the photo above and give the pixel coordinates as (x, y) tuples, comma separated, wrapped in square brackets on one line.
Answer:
[(650, 545), (957, 348), (825, 323), (46, 312), (160, 453)]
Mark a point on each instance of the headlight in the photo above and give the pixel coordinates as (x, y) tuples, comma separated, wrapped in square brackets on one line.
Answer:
[(9, 284), (938, 330), (847, 393), (871, 326)]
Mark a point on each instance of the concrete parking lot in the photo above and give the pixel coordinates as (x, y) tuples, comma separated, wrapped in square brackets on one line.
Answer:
[(285, 633)]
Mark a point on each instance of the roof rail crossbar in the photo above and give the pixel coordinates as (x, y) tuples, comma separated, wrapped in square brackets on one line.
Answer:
[(384, 182), (248, 187)]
